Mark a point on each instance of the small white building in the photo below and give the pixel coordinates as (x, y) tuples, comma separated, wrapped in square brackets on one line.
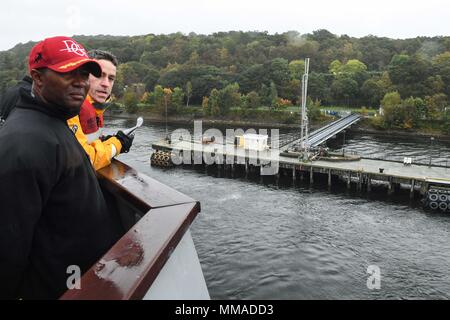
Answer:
[(252, 141)]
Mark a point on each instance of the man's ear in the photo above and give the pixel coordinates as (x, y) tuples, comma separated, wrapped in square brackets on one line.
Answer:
[(38, 77)]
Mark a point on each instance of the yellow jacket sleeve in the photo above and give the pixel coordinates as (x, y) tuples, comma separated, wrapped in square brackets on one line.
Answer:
[(100, 152)]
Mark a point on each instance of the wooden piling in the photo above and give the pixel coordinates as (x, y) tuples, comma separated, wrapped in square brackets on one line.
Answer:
[(349, 179), (360, 178), (390, 186)]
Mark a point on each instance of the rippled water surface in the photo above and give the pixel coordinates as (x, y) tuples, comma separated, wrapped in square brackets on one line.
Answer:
[(259, 240)]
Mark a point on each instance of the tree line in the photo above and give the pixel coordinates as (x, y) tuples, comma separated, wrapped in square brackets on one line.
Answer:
[(251, 69)]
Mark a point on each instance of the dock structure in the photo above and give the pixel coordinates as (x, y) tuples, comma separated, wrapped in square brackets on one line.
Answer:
[(364, 173), (324, 133)]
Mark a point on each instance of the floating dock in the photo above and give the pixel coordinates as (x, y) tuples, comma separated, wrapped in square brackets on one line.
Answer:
[(364, 173)]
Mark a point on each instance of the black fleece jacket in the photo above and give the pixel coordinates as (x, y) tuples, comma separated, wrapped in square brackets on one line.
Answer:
[(11, 96), (53, 214)]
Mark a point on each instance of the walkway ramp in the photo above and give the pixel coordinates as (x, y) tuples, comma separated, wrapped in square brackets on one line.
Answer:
[(323, 134)]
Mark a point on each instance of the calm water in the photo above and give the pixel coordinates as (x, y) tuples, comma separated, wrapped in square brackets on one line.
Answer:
[(260, 240)]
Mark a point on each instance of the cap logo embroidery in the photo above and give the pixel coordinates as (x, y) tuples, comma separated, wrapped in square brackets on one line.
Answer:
[(71, 64), (73, 47), (38, 57)]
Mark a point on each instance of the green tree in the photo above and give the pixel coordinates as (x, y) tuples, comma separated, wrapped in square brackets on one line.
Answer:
[(253, 100), (441, 67), (436, 106), (177, 98), (279, 72), (150, 79), (229, 97), (213, 103), (319, 86), (130, 101), (373, 91), (158, 97), (344, 89), (335, 67), (410, 111), (434, 85), (313, 109), (264, 94), (273, 95), (356, 69), (409, 73), (297, 69), (392, 115), (293, 90), (205, 106), (252, 77), (188, 92)]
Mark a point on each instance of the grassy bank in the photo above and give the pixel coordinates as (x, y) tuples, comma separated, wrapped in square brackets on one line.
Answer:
[(286, 117)]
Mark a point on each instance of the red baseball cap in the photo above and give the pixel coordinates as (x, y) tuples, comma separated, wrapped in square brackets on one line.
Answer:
[(61, 54)]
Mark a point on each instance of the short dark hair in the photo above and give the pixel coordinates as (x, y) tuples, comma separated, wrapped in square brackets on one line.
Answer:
[(103, 55)]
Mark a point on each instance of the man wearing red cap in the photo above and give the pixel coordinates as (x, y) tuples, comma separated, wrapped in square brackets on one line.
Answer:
[(53, 214), (88, 124)]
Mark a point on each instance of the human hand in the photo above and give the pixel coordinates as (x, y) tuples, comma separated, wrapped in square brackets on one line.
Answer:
[(125, 140)]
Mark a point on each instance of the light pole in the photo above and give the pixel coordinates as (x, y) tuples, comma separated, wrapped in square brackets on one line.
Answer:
[(431, 147)]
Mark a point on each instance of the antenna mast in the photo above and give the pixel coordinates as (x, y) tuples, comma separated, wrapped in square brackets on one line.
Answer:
[(304, 128)]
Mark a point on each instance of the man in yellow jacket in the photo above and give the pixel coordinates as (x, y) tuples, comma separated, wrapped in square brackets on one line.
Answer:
[(88, 125)]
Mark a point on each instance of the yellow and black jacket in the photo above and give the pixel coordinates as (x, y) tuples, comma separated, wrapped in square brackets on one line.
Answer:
[(87, 131)]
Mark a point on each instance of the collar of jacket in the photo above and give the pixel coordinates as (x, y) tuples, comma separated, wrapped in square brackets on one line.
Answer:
[(99, 107), (27, 100)]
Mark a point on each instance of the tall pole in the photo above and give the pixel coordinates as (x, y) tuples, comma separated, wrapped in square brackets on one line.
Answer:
[(304, 127)]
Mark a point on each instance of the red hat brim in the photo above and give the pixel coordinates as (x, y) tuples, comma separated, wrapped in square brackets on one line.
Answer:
[(69, 65)]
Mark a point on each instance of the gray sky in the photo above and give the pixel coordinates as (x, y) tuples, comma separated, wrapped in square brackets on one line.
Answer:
[(25, 20)]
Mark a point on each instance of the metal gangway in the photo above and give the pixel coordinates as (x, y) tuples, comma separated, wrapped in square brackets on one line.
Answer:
[(321, 135)]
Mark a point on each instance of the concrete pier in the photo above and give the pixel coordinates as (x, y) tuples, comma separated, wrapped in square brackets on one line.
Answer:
[(368, 171)]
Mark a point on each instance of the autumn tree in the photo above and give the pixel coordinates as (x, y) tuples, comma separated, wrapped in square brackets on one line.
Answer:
[(168, 106)]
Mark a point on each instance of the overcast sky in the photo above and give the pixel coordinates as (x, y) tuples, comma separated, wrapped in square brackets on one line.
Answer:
[(25, 20)]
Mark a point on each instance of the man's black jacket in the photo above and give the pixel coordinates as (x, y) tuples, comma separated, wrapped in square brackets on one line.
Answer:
[(11, 97), (53, 215)]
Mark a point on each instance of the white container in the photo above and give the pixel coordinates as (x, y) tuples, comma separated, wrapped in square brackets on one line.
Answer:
[(255, 141)]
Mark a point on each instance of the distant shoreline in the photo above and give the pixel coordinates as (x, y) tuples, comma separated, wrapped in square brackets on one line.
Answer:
[(358, 128)]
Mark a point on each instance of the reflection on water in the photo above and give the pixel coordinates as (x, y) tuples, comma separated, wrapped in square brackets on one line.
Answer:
[(263, 240)]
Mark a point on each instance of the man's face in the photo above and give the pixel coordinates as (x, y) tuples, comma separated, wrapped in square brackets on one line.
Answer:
[(101, 87), (65, 89)]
